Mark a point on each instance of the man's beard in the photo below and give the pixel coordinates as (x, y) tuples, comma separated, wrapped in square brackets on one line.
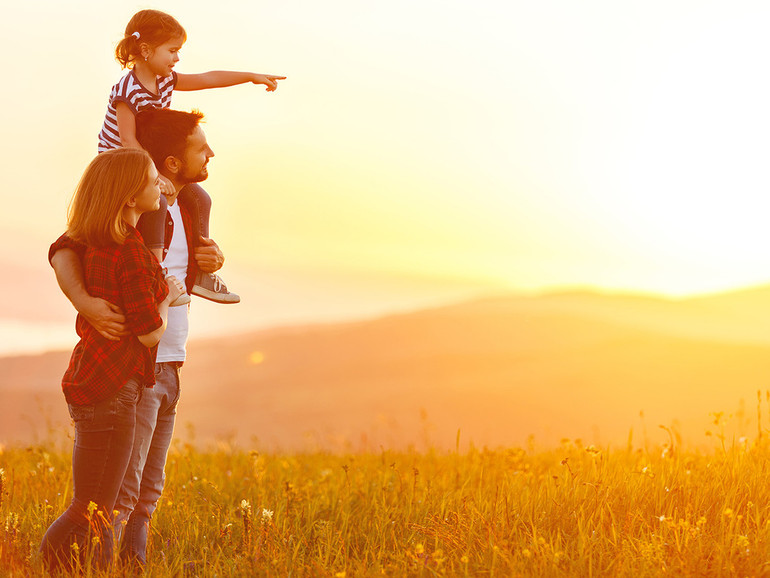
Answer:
[(202, 175)]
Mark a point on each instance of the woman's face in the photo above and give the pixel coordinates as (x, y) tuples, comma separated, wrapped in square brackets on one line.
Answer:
[(148, 199)]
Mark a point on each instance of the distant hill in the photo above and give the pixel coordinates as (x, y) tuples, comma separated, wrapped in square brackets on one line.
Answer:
[(563, 365)]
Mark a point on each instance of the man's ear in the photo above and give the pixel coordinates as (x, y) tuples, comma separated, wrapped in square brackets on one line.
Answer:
[(172, 164)]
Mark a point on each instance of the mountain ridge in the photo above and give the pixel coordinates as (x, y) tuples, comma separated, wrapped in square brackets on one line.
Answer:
[(497, 369)]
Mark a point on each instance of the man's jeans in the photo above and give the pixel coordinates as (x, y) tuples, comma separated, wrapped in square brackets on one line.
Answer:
[(104, 437), (143, 482)]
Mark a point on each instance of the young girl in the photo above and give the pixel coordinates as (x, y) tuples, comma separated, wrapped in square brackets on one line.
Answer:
[(150, 49), (105, 379)]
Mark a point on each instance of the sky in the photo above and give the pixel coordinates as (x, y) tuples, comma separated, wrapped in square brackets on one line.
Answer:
[(419, 151)]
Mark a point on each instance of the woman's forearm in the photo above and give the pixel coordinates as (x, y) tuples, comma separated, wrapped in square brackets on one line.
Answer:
[(153, 338)]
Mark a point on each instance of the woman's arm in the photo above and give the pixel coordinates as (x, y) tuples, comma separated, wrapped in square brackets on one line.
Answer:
[(223, 78), (153, 338), (175, 289)]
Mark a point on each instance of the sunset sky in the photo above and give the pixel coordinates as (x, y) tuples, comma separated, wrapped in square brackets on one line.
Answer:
[(420, 151)]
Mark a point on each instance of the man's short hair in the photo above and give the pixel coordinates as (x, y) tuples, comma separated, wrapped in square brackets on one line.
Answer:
[(163, 132)]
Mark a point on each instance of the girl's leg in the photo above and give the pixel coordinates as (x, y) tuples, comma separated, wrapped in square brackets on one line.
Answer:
[(152, 226), (198, 203), (104, 437)]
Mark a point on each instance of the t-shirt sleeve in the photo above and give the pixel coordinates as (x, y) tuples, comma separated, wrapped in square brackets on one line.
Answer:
[(142, 289), (120, 98), (64, 242)]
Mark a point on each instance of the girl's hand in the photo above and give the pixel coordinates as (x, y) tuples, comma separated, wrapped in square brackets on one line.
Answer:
[(166, 186), (269, 80), (175, 288)]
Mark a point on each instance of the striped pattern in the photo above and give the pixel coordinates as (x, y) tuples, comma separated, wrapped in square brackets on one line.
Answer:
[(138, 98)]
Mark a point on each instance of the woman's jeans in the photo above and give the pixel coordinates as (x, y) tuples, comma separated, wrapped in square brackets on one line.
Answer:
[(104, 438)]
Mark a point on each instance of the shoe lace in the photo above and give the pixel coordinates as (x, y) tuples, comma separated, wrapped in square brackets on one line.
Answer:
[(219, 286)]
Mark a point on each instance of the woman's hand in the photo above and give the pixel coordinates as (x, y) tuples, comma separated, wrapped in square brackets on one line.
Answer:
[(175, 288)]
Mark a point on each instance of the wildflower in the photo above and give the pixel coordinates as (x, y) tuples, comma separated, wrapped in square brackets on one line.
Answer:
[(12, 524), (91, 509), (701, 521), (743, 544), (340, 574), (464, 559), (594, 451), (246, 512), (96, 540), (526, 553), (727, 513), (419, 549), (267, 515), (662, 518)]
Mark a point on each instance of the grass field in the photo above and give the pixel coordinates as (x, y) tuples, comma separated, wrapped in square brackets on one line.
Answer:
[(575, 510)]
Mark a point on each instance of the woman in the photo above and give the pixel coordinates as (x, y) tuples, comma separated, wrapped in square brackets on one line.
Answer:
[(105, 379)]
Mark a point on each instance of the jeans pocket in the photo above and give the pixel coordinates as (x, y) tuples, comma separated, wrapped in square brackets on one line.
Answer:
[(130, 394), (81, 413)]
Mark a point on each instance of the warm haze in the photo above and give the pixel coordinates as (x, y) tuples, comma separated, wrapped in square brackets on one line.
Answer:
[(419, 151)]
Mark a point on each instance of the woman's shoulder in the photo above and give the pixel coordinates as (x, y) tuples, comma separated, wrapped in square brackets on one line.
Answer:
[(134, 245)]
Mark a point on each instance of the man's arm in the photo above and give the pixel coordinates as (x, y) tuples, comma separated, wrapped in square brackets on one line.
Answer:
[(105, 317), (208, 255)]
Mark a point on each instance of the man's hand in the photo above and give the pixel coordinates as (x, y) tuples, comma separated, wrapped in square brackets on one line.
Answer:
[(106, 318), (210, 259)]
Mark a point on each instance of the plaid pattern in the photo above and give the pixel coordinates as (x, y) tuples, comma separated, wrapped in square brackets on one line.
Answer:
[(130, 277)]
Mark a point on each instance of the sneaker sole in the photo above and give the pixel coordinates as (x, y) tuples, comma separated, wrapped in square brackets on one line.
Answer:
[(228, 299), (181, 300)]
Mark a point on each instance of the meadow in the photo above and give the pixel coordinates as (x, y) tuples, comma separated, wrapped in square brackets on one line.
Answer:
[(650, 508)]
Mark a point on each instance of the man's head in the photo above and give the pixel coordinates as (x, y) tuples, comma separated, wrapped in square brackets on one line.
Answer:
[(176, 143)]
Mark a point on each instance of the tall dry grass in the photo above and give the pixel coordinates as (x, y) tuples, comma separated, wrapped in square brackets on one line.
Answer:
[(575, 510)]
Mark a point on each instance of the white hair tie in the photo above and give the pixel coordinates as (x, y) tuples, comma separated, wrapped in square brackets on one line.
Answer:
[(136, 35)]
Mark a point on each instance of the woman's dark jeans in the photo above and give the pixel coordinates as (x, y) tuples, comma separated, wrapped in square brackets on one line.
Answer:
[(104, 438)]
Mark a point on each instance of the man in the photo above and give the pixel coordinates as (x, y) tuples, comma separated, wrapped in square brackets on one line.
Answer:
[(179, 149)]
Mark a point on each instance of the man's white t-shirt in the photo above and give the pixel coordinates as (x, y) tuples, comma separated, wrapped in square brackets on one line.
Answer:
[(172, 344)]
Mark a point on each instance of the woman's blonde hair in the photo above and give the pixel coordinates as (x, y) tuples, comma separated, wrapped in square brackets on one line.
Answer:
[(95, 215)]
